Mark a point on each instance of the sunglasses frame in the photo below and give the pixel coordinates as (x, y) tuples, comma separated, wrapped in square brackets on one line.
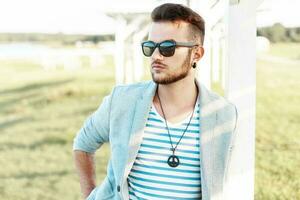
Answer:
[(176, 44)]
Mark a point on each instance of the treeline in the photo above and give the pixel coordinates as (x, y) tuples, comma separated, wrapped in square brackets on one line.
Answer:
[(52, 38), (279, 33), (275, 33)]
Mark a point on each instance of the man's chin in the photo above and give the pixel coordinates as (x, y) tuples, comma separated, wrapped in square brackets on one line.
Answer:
[(162, 81), (158, 80), (166, 80)]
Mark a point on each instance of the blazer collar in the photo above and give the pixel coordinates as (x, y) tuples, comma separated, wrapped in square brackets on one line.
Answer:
[(203, 96)]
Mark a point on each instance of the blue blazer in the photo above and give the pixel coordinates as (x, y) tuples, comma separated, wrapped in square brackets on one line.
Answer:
[(120, 120)]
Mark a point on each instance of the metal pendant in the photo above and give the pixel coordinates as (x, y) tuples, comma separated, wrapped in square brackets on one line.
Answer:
[(173, 161)]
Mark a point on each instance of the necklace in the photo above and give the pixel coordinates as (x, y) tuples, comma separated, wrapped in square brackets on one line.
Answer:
[(173, 160)]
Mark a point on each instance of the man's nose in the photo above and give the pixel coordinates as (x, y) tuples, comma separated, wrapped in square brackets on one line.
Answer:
[(156, 55)]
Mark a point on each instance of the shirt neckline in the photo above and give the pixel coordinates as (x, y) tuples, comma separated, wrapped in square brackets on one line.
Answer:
[(180, 123)]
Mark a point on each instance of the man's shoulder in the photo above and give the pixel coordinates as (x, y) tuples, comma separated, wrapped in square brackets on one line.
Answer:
[(227, 113), (217, 97), (221, 104), (132, 88)]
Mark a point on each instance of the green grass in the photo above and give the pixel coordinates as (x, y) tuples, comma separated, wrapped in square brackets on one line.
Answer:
[(278, 130), (286, 50), (40, 113)]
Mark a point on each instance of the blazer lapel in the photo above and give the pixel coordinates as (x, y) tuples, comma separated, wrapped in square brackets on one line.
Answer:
[(142, 108), (207, 123)]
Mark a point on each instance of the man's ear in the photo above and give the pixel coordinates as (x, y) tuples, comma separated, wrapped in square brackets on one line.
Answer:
[(199, 52)]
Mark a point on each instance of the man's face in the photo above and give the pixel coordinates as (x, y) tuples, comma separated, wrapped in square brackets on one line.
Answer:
[(166, 70)]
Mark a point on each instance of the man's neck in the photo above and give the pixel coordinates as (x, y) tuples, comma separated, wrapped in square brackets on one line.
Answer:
[(180, 94)]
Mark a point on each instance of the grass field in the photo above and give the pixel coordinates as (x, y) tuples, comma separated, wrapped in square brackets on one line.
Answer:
[(40, 113), (278, 127)]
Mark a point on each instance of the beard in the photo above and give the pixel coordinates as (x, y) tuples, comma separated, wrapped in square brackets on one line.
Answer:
[(180, 74)]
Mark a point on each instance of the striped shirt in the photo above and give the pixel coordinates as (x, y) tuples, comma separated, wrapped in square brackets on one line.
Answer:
[(151, 177)]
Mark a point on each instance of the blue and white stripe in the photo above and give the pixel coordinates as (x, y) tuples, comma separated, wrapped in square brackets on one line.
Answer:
[(151, 177)]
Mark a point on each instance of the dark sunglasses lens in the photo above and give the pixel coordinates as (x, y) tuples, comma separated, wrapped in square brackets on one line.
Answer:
[(167, 48), (148, 48)]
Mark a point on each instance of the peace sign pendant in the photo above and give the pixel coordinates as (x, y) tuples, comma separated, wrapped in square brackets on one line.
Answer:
[(173, 161)]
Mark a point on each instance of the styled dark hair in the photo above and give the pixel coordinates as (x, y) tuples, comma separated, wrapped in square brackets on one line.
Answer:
[(177, 12)]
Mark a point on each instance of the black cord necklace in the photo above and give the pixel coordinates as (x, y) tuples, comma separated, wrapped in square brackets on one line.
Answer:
[(173, 160)]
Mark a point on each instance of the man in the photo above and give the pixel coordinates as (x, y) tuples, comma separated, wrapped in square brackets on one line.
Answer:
[(170, 138)]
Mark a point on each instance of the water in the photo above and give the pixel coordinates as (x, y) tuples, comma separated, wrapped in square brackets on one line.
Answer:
[(17, 50)]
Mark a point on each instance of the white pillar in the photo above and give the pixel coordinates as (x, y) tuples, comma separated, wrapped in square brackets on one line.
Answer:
[(125, 50), (138, 57), (215, 58), (224, 62), (120, 50), (129, 67), (240, 89), (204, 65)]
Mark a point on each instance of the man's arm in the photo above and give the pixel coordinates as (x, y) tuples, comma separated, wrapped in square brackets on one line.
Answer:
[(84, 163), (90, 137)]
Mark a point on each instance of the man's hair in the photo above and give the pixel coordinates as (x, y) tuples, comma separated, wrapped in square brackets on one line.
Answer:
[(177, 12)]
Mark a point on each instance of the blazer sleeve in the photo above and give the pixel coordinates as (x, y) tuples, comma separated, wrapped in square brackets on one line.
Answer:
[(95, 130)]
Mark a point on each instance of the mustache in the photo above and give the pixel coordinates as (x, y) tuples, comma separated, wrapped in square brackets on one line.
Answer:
[(157, 63)]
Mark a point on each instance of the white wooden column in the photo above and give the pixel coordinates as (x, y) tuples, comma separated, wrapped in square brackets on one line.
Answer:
[(126, 50), (240, 89), (204, 65), (223, 60), (120, 50), (129, 68), (138, 57), (216, 58)]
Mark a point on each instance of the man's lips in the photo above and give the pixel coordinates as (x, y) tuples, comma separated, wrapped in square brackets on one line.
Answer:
[(158, 66)]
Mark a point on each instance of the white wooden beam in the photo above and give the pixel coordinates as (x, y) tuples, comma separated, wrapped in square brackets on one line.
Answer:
[(218, 11), (138, 56), (120, 50), (203, 70), (240, 89), (124, 59)]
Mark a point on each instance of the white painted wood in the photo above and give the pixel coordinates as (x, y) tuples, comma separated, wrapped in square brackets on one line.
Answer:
[(120, 50), (216, 58), (204, 65), (134, 25), (224, 61), (217, 11), (128, 70), (126, 55), (138, 57), (240, 89)]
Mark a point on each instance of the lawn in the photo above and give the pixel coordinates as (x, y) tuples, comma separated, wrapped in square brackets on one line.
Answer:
[(278, 127), (40, 113)]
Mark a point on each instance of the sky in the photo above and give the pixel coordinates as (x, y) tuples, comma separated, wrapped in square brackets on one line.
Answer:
[(286, 12), (88, 16), (51, 16)]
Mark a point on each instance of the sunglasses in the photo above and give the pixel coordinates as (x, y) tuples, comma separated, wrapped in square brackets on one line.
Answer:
[(166, 48)]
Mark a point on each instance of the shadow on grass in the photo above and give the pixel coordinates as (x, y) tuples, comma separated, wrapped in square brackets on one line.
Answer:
[(37, 175), (44, 142), (84, 112), (48, 141), (14, 122), (34, 86), (4, 105)]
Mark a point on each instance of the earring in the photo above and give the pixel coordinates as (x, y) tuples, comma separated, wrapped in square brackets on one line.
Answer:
[(194, 65)]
